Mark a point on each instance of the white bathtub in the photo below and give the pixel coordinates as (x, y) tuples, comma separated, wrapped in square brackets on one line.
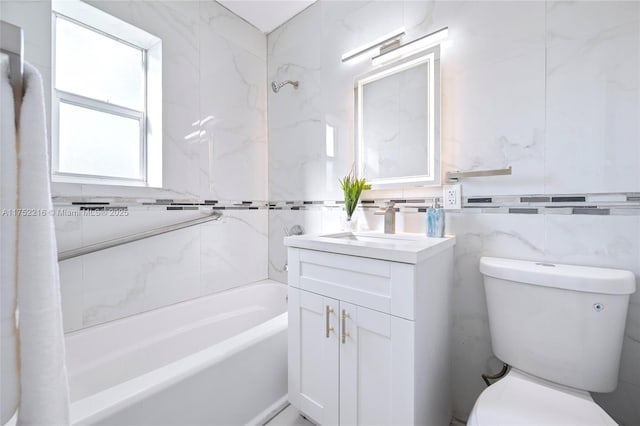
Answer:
[(217, 360)]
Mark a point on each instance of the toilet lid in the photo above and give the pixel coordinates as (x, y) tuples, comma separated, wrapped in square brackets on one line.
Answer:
[(520, 400)]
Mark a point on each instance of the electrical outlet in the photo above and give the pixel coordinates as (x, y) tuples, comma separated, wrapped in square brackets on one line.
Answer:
[(452, 196)]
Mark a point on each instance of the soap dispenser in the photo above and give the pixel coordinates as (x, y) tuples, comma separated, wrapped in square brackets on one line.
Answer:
[(435, 220)]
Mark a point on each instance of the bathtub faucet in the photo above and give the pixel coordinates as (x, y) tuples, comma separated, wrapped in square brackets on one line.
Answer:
[(294, 230)]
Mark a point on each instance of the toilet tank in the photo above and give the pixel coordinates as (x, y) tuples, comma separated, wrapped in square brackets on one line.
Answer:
[(562, 323)]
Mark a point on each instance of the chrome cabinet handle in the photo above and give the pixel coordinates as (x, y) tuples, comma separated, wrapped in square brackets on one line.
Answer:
[(345, 333), (328, 326)]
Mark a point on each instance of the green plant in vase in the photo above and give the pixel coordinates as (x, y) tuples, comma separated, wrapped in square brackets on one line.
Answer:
[(352, 188)]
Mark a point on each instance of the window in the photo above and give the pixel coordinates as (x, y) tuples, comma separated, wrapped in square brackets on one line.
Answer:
[(105, 74)]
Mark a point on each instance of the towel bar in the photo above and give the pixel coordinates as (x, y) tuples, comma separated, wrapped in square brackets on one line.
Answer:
[(103, 245), (456, 176)]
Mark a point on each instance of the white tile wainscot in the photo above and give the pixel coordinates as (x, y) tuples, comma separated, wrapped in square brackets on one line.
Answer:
[(370, 329)]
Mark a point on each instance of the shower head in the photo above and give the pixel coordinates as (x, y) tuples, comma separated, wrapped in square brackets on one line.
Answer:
[(276, 86)]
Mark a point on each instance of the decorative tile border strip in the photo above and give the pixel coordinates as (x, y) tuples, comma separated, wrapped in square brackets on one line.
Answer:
[(156, 204), (563, 204), (579, 204)]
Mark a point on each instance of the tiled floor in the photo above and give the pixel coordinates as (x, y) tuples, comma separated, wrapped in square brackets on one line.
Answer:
[(291, 417)]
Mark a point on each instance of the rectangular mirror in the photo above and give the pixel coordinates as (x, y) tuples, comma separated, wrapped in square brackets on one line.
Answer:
[(398, 122)]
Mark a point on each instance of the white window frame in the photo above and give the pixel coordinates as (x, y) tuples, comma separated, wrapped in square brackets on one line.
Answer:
[(93, 19)]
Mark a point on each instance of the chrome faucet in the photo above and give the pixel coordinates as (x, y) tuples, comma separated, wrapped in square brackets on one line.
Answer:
[(389, 218)]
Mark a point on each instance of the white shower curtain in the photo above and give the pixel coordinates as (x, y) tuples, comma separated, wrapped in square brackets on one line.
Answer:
[(43, 397)]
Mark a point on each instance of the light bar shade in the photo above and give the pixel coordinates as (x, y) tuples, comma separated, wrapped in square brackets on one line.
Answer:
[(414, 46), (372, 44)]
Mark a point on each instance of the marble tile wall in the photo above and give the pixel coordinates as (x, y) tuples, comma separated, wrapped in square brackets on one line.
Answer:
[(213, 65), (549, 88), (157, 271)]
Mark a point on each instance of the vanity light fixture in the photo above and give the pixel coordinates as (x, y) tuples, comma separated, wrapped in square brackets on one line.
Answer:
[(372, 44), (414, 46)]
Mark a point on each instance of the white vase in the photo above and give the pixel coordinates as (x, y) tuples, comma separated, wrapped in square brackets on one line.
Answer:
[(350, 224)]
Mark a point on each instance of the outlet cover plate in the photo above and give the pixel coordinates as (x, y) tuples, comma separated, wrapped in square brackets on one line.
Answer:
[(452, 196)]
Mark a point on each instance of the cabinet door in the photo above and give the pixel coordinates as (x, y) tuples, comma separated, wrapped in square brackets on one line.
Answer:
[(376, 368), (313, 355)]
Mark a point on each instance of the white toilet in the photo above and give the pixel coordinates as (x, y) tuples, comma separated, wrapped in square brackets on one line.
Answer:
[(560, 328)]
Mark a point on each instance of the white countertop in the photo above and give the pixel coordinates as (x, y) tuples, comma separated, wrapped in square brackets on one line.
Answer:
[(405, 247)]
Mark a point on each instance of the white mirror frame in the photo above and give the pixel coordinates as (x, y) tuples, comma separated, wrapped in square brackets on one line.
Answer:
[(433, 176)]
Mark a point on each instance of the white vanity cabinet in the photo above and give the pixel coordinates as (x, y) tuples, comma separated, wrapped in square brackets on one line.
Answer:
[(356, 373), (369, 338)]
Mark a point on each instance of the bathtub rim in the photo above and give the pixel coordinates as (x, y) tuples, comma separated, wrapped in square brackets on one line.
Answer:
[(134, 390), (173, 306), (158, 324)]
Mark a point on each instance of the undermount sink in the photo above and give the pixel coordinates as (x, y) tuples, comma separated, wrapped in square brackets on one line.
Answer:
[(405, 247), (377, 237)]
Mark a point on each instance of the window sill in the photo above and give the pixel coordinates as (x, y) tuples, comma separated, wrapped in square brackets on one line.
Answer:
[(60, 190)]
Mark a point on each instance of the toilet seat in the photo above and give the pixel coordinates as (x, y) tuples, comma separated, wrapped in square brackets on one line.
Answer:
[(520, 399)]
